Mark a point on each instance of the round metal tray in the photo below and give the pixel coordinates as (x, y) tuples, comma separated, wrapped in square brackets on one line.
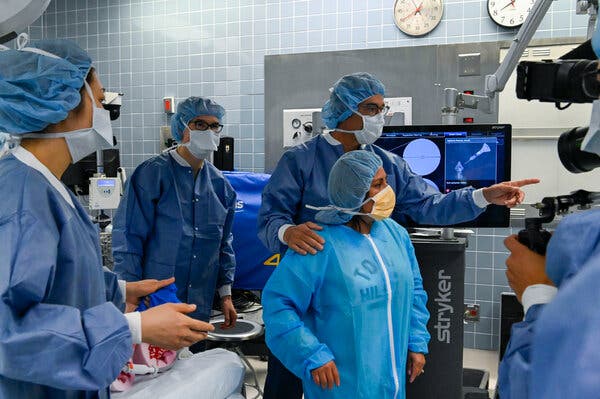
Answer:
[(244, 330)]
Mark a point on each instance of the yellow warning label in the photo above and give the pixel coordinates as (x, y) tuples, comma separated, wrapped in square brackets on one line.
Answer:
[(273, 260)]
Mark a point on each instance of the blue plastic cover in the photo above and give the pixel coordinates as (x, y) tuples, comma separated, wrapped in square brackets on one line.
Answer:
[(255, 262)]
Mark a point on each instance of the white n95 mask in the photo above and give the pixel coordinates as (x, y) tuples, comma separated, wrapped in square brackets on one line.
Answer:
[(202, 142), (84, 142), (371, 130)]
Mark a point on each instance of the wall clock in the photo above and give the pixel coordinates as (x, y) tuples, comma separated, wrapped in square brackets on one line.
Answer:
[(509, 13), (418, 17)]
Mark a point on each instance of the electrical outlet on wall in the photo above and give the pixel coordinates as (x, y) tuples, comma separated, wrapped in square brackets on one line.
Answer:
[(297, 125)]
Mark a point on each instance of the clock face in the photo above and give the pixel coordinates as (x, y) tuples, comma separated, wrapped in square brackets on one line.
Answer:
[(418, 17), (509, 13)]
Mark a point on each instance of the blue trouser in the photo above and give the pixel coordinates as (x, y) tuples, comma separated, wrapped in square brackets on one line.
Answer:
[(281, 383), (198, 347)]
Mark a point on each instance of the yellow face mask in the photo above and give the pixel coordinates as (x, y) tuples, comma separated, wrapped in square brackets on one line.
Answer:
[(384, 203)]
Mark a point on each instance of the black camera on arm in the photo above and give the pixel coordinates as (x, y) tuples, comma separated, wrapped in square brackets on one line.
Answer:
[(574, 78), (534, 236)]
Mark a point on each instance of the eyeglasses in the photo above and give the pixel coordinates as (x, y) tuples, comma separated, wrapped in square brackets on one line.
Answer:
[(202, 125), (371, 109)]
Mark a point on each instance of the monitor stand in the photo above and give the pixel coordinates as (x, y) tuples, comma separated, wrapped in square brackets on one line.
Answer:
[(447, 233)]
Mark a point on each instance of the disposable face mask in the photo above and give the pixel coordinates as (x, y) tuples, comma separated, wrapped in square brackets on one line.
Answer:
[(202, 143), (371, 130), (84, 142), (384, 203)]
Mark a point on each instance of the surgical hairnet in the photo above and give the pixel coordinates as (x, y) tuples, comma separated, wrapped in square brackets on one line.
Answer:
[(346, 94), (38, 90), (349, 182), (191, 108)]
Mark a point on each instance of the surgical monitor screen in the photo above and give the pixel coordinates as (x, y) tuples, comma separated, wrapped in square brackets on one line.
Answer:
[(450, 157)]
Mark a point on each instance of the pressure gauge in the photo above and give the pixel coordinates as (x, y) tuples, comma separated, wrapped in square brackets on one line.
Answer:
[(509, 13), (418, 17)]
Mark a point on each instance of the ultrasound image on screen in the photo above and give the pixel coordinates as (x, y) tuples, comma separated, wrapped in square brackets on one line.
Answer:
[(450, 158), (471, 159)]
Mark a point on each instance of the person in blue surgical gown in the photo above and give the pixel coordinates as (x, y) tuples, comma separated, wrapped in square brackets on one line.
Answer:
[(324, 313), (177, 212), (63, 333), (553, 352), (354, 114)]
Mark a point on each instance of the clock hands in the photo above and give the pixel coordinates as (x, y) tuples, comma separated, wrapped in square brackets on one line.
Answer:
[(415, 12), (512, 3), (418, 10)]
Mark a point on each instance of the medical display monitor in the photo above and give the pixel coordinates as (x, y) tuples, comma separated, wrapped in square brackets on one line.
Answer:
[(450, 157)]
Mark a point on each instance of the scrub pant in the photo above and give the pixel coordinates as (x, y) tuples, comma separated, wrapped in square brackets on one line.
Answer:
[(281, 383), (198, 347)]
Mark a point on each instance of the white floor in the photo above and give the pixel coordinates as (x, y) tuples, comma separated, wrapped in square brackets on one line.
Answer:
[(472, 358)]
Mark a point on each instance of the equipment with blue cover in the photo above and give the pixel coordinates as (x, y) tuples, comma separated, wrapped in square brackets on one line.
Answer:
[(255, 262)]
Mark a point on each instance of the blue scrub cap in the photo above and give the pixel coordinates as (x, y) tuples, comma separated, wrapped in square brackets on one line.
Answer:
[(349, 182), (191, 108), (346, 94), (37, 90)]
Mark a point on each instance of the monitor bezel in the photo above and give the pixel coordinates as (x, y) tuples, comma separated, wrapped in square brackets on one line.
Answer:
[(488, 127)]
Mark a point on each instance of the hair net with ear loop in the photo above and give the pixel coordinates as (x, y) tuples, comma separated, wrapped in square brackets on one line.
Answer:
[(349, 182), (190, 109), (346, 94), (40, 84)]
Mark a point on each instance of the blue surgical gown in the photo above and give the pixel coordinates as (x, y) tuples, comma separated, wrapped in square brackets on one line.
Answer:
[(300, 179), (172, 224), (60, 337), (555, 352), (346, 305)]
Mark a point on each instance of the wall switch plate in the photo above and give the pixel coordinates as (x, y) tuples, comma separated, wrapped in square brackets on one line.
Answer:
[(469, 64)]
